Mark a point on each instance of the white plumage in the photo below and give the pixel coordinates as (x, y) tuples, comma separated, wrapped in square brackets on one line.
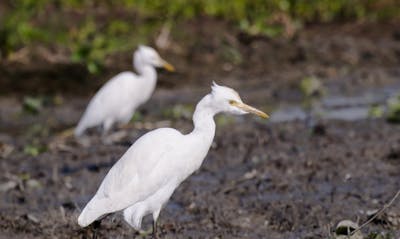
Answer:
[(145, 177), (118, 99)]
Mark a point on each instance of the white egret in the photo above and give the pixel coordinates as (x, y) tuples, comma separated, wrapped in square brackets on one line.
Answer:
[(145, 177), (118, 99)]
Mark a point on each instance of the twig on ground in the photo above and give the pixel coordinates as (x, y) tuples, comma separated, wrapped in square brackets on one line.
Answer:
[(377, 214)]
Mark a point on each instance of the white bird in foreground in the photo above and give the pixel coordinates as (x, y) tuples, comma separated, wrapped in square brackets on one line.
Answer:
[(145, 177), (118, 99)]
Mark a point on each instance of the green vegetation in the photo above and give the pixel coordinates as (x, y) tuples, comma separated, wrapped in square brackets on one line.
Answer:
[(32, 105), (34, 135), (311, 86), (137, 117), (33, 150), (90, 30), (393, 107), (376, 111), (224, 120), (381, 235), (179, 111)]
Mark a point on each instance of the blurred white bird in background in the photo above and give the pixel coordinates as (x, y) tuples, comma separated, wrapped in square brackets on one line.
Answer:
[(118, 99), (145, 177)]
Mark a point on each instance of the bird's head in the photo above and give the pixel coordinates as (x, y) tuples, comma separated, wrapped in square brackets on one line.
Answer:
[(228, 100), (149, 56)]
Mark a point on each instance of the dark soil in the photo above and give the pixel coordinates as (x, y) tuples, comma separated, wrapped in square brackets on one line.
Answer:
[(259, 180)]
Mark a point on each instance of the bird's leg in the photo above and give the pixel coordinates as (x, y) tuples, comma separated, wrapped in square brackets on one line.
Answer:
[(105, 136), (155, 230), (155, 218), (96, 226), (107, 126)]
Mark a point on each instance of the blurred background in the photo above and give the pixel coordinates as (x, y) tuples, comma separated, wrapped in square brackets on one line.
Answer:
[(89, 39), (328, 72)]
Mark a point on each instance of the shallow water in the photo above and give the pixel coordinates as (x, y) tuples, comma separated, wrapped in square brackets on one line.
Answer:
[(336, 107)]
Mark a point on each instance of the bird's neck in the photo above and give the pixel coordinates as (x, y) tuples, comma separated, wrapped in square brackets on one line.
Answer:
[(203, 119), (147, 71)]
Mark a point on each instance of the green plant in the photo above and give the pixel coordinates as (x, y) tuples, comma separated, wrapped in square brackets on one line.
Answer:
[(311, 86), (90, 38), (32, 105), (376, 111), (16, 27), (179, 111), (393, 109), (33, 150)]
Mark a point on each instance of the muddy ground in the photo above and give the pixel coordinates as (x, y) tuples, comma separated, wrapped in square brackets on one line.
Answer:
[(261, 179)]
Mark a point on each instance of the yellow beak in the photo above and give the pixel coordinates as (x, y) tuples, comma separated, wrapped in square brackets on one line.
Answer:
[(249, 109), (167, 66)]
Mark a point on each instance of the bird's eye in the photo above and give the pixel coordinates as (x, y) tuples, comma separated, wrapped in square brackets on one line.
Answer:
[(232, 102)]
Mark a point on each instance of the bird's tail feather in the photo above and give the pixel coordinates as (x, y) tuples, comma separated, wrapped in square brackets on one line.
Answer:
[(92, 212), (80, 129)]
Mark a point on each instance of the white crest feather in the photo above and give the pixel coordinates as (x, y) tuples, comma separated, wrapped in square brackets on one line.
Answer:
[(214, 87), (224, 91)]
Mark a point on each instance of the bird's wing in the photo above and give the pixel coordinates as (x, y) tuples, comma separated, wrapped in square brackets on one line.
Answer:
[(110, 97), (140, 171)]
